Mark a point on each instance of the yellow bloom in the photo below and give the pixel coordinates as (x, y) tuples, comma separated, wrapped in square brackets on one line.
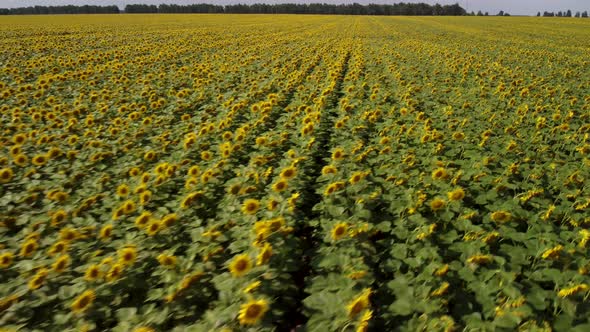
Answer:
[(123, 190), (501, 216), (240, 265), (92, 273), (288, 173), (280, 185), (441, 271), (364, 323), (339, 231), (251, 287), (264, 255), (168, 261), (142, 220), (29, 247), (456, 195), (6, 259), (329, 169), (356, 177), (127, 255), (480, 259), (83, 302), (439, 173), (338, 154), (358, 304), (61, 263), (6, 175), (250, 206), (437, 204), (552, 253), (441, 290), (252, 311), (573, 290)]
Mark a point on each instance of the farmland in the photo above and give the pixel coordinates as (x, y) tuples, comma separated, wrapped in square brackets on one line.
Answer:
[(321, 173)]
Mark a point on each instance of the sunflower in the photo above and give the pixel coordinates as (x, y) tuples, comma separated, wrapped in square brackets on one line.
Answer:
[(144, 197), (143, 329), (58, 217), (339, 231), (58, 247), (338, 154), (142, 220), (358, 304), (21, 160), (168, 261), (189, 199), (194, 171), (37, 280), (240, 265), (127, 256), (250, 206), (40, 160), (206, 155), (356, 177), (115, 272), (153, 227), (123, 190), (364, 323), (288, 173), (234, 189), (501, 216), (6, 259), (128, 206), (439, 174), (280, 186), (264, 255), (333, 187), (29, 247), (456, 195), (92, 273), (83, 302), (105, 232), (252, 311), (149, 156), (329, 169), (61, 263), (6, 175), (437, 204), (169, 219)]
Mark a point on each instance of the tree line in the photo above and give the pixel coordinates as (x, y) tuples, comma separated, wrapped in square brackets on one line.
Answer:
[(68, 9), (567, 13), (421, 9)]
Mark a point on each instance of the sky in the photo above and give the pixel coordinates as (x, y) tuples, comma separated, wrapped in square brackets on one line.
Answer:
[(514, 7)]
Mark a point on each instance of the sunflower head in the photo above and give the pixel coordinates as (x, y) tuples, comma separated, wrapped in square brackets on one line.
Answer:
[(339, 231), (240, 265), (280, 185), (437, 204), (250, 206), (83, 301), (252, 311)]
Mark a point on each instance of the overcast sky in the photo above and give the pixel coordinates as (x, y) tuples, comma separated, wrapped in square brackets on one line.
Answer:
[(515, 7)]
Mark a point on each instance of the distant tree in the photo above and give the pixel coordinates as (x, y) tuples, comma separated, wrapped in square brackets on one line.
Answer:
[(501, 13), (559, 14), (506, 14), (568, 13), (486, 14), (577, 14), (538, 14), (585, 14), (479, 13)]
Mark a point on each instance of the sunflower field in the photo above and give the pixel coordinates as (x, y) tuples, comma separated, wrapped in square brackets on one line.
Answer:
[(294, 173)]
